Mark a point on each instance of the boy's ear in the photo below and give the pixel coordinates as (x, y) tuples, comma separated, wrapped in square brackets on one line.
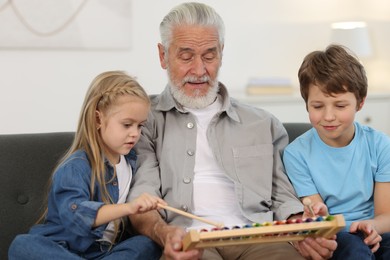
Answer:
[(360, 106)]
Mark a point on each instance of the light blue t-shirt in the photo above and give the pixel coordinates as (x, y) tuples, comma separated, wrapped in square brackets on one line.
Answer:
[(344, 177)]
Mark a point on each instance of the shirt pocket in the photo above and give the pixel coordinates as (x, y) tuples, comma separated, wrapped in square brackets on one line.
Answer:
[(254, 168)]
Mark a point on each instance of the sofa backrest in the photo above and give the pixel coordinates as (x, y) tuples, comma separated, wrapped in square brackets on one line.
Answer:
[(296, 129), (26, 164)]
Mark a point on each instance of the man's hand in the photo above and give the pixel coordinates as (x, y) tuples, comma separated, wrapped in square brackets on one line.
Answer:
[(173, 246), (316, 248)]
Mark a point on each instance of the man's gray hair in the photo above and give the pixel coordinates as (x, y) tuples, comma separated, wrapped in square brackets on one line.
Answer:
[(191, 13)]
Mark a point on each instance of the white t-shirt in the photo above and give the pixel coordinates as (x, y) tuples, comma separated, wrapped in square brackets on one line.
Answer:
[(124, 174), (214, 196)]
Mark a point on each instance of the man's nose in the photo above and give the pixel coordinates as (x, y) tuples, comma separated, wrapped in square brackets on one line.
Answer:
[(198, 66)]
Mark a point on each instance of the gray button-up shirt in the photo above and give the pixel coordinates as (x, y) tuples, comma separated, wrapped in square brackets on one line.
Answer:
[(246, 141)]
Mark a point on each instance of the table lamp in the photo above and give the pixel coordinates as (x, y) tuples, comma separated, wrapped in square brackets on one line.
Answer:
[(353, 35)]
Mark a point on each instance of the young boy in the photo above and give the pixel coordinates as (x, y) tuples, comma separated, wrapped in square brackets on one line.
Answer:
[(341, 165)]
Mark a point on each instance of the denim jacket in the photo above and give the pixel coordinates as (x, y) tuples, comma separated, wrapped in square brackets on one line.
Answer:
[(247, 143), (71, 212)]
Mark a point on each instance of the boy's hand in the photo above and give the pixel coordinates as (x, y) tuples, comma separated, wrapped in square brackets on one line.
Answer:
[(372, 238), (318, 208)]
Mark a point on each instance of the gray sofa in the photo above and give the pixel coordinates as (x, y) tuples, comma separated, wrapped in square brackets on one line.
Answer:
[(26, 162)]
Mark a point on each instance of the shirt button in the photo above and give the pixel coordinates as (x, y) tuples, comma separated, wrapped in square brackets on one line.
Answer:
[(186, 180), (115, 183), (190, 125), (184, 208), (73, 206), (190, 152)]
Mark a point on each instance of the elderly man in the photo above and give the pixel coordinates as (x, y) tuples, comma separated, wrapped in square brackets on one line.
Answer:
[(208, 154)]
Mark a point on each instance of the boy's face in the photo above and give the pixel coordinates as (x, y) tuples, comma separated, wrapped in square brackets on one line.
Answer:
[(333, 116)]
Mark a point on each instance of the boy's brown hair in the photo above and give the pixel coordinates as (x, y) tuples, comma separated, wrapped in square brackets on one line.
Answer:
[(335, 70)]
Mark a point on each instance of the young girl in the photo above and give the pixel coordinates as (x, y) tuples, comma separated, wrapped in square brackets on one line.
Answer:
[(339, 162), (86, 212)]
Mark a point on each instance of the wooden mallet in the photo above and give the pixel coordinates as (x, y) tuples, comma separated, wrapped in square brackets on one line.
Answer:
[(307, 202), (188, 215)]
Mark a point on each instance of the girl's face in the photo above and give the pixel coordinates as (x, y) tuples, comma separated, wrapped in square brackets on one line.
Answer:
[(120, 126), (333, 116)]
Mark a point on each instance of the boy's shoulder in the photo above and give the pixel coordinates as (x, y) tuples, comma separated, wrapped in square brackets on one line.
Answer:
[(369, 130), (303, 141), (371, 134)]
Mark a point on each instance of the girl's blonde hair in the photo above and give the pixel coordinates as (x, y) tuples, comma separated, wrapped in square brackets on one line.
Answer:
[(102, 93)]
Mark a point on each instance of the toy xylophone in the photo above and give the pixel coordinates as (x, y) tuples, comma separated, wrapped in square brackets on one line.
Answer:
[(277, 231)]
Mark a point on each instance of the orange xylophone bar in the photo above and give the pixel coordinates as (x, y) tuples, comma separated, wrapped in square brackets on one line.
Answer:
[(279, 231)]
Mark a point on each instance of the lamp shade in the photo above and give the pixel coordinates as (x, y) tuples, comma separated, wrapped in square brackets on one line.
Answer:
[(353, 35)]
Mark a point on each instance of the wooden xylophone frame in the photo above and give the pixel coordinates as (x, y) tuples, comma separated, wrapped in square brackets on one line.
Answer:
[(263, 234)]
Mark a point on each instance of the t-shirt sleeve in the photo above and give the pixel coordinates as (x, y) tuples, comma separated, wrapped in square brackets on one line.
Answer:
[(383, 156), (298, 171)]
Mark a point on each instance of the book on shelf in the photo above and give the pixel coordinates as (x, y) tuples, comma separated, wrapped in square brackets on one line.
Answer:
[(256, 90), (269, 86)]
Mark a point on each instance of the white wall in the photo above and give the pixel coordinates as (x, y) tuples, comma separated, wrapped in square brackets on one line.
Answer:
[(42, 90)]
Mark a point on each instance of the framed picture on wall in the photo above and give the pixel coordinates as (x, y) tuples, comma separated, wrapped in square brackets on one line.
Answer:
[(69, 24)]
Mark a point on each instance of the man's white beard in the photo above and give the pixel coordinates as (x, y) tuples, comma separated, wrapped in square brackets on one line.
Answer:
[(196, 101)]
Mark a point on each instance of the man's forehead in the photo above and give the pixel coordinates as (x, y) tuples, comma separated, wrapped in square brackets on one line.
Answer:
[(195, 35)]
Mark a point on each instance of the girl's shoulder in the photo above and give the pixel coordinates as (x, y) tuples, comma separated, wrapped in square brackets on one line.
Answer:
[(75, 166), (79, 157)]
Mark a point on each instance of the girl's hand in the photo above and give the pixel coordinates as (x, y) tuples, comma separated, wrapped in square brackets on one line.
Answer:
[(372, 238), (144, 203)]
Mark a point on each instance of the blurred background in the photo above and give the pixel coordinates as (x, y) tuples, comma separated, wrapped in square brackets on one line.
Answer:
[(50, 50)]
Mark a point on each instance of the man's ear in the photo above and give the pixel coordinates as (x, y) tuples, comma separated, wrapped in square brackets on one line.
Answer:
[(360, 106), (161, 53), (221, 54)]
